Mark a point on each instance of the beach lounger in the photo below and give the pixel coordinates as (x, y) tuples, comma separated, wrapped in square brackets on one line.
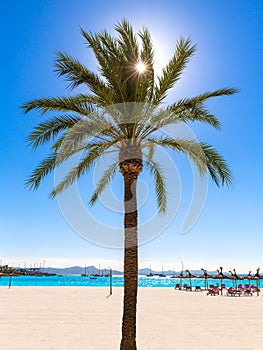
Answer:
[(255, 289), (198, 289), (177, 286), (213, 291), (234, 292), (247, 291), (186, 287)]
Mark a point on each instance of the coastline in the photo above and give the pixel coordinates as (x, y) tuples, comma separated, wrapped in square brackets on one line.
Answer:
[(117, 281), (86, 318)]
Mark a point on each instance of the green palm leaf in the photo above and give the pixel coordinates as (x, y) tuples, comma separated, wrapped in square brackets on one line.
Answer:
[(173, 70), (81, 104), (95, 151), (159, 181), (78, 74), (44, 168), (45, 131), (217, 166), (104, 181)]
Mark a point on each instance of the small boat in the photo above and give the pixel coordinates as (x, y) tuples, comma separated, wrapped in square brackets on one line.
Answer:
[(85, 273), (162, 274), (150, 274)]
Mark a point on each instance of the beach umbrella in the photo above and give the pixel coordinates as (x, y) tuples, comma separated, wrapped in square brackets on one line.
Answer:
[(180, 276), (190, 276), (220, 276), (257, 277), (206, 276), (249, 277), (234, 277)]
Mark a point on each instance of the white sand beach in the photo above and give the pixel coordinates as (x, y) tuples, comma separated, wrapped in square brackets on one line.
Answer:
[(69, 318)]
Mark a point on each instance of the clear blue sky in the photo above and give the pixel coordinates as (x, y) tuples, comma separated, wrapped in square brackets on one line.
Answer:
[(229, 37)]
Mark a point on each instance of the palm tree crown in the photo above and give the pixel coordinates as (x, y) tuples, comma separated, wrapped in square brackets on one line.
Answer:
[(120, 85)]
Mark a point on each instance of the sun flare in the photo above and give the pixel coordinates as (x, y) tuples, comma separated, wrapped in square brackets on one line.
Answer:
[(140, 67)]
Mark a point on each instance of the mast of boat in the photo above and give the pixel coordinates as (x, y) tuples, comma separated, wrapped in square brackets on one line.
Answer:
[(182, 263), (150, 274)]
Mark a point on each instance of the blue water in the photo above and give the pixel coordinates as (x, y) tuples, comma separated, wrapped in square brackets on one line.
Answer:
[(117, 281)]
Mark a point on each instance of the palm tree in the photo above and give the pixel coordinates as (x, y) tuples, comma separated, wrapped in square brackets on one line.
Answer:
[(122, 111)]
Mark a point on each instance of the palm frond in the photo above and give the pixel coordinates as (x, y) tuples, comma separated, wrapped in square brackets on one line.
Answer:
[(109, 57), (81, 104), (105, 179), (196, 100), (191, 148), (173, 70), (147, 52), (197, 113), (147, 57), (115, 65), (193, 109), (57, 144), (217, 166), (77, 74), (45, 131), (201, 114), (99, 131), (94, 153), (205, 157), (150, 146), (127, 41), (159, 181), (44, 168)]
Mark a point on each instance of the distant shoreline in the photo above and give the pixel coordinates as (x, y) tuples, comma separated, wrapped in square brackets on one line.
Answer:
[(118, 281)]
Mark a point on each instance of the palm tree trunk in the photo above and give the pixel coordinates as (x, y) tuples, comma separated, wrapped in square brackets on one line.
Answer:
[(128, 341)]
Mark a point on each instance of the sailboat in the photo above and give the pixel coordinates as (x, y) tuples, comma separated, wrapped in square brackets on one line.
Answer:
[(162, 274), (98, 274), (85, 274), (150, 274)]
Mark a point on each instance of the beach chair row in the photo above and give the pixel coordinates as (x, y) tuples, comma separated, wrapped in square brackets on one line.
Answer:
[(247, 290), (233, 292)]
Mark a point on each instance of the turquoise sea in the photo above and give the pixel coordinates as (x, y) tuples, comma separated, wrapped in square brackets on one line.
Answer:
[(117, 281)]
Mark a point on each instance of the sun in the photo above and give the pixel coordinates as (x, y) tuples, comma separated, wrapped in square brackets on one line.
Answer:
[(140, 66)]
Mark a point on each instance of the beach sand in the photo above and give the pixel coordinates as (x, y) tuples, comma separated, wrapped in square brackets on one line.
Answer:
[(69, 318)]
